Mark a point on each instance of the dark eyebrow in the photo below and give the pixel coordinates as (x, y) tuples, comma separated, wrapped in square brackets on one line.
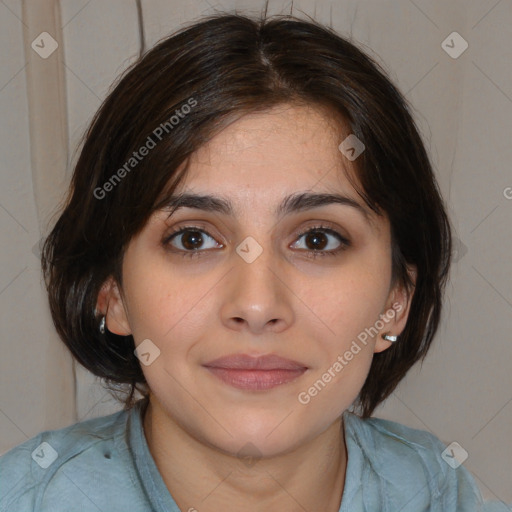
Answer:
[(290, 204)]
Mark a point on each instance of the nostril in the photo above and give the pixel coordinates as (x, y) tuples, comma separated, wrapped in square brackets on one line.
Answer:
[(107, 455)]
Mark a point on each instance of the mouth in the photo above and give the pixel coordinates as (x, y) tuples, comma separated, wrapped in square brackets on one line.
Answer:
[(255, 373)]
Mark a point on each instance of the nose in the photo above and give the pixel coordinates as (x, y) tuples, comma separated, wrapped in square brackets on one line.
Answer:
[(257, 297)]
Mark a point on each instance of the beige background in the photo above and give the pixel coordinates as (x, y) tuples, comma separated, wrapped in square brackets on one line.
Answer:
[(463, 391)]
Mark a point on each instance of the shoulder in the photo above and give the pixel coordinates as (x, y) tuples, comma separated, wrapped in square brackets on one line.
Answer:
[(52, 464), (395, 439), (412, 468), (397, 449)]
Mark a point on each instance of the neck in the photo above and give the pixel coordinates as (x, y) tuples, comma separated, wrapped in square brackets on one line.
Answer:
[(202, 477)]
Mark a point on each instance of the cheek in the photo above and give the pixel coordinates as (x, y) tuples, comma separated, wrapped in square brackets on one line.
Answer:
[(346, 303), (349, 305), (335, 386), (165, 306), (152, 296)]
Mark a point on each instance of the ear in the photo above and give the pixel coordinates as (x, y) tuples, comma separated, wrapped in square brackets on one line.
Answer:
[(395, 314), (110, 303)]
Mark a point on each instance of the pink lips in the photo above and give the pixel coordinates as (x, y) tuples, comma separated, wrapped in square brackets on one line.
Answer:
[(255, 373)]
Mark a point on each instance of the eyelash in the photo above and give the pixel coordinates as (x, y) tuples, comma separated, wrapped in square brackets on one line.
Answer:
[(344, 243)]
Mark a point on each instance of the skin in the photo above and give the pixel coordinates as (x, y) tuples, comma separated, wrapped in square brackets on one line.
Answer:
[(309, 310)]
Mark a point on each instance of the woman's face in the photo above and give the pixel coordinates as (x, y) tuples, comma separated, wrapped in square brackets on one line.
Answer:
[(249, 280)]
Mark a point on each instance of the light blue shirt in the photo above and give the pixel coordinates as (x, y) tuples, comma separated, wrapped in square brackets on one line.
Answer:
[(104, 464)]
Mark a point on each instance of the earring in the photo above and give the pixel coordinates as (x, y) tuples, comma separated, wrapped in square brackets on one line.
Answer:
[(102, 325), (390, 337)]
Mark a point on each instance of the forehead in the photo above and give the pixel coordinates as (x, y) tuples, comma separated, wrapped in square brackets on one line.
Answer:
[(286, 146)]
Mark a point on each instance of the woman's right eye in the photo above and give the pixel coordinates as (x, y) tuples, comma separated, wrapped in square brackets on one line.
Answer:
[(190, 239)]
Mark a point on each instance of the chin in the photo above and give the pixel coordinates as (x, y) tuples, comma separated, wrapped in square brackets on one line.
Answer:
[(263, 437)]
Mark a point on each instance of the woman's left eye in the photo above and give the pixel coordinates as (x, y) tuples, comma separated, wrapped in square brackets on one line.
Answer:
[(319, 240)]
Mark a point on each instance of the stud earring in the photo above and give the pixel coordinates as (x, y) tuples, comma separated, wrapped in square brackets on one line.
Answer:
[(102, 325), (390, 337)]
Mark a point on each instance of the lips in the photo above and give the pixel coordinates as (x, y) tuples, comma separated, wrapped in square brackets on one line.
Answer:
[(246, 362), (255, 373)]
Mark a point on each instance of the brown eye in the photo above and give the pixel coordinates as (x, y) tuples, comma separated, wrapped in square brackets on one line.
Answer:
[(322, 241), (190, 240), (316, 240)]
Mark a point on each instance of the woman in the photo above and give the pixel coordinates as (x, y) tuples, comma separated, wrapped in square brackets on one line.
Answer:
[(255, 241)]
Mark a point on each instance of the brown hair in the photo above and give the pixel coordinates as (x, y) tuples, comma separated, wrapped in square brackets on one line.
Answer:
[(220, 69)]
